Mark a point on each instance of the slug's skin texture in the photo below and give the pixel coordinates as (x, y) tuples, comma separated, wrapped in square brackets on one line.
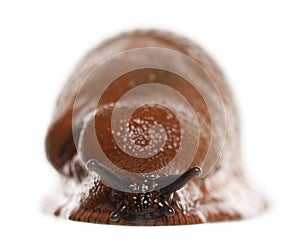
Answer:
[(221, 195)]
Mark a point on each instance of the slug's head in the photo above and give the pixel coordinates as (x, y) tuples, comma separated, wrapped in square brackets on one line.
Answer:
[(144, 205), (134, 206)]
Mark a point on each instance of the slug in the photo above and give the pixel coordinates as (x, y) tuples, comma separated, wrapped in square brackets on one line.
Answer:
[(146, 132)]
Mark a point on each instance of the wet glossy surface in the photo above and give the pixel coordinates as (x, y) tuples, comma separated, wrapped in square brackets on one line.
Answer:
[(221, 194)]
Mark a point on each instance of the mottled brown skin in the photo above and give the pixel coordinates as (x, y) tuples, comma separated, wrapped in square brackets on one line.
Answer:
[(136, 78), (200, 200)]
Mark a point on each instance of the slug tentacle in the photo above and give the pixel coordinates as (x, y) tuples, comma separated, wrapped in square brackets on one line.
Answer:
[(182, 180), (94, 166)]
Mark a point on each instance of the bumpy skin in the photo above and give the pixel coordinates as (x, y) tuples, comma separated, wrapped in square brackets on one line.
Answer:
[(222, 195)]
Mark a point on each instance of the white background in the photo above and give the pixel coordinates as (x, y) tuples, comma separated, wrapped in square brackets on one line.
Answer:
[(257, 44)]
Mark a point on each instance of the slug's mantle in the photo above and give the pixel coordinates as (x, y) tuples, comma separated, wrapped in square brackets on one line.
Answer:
[(145, 132)]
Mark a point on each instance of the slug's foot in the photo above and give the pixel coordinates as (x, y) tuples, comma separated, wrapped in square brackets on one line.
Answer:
[(181, 217)]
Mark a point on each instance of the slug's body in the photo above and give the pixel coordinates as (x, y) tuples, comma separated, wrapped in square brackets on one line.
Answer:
[(177, 194)]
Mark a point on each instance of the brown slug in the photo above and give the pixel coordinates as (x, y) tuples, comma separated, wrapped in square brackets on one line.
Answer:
[(145, 132)]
